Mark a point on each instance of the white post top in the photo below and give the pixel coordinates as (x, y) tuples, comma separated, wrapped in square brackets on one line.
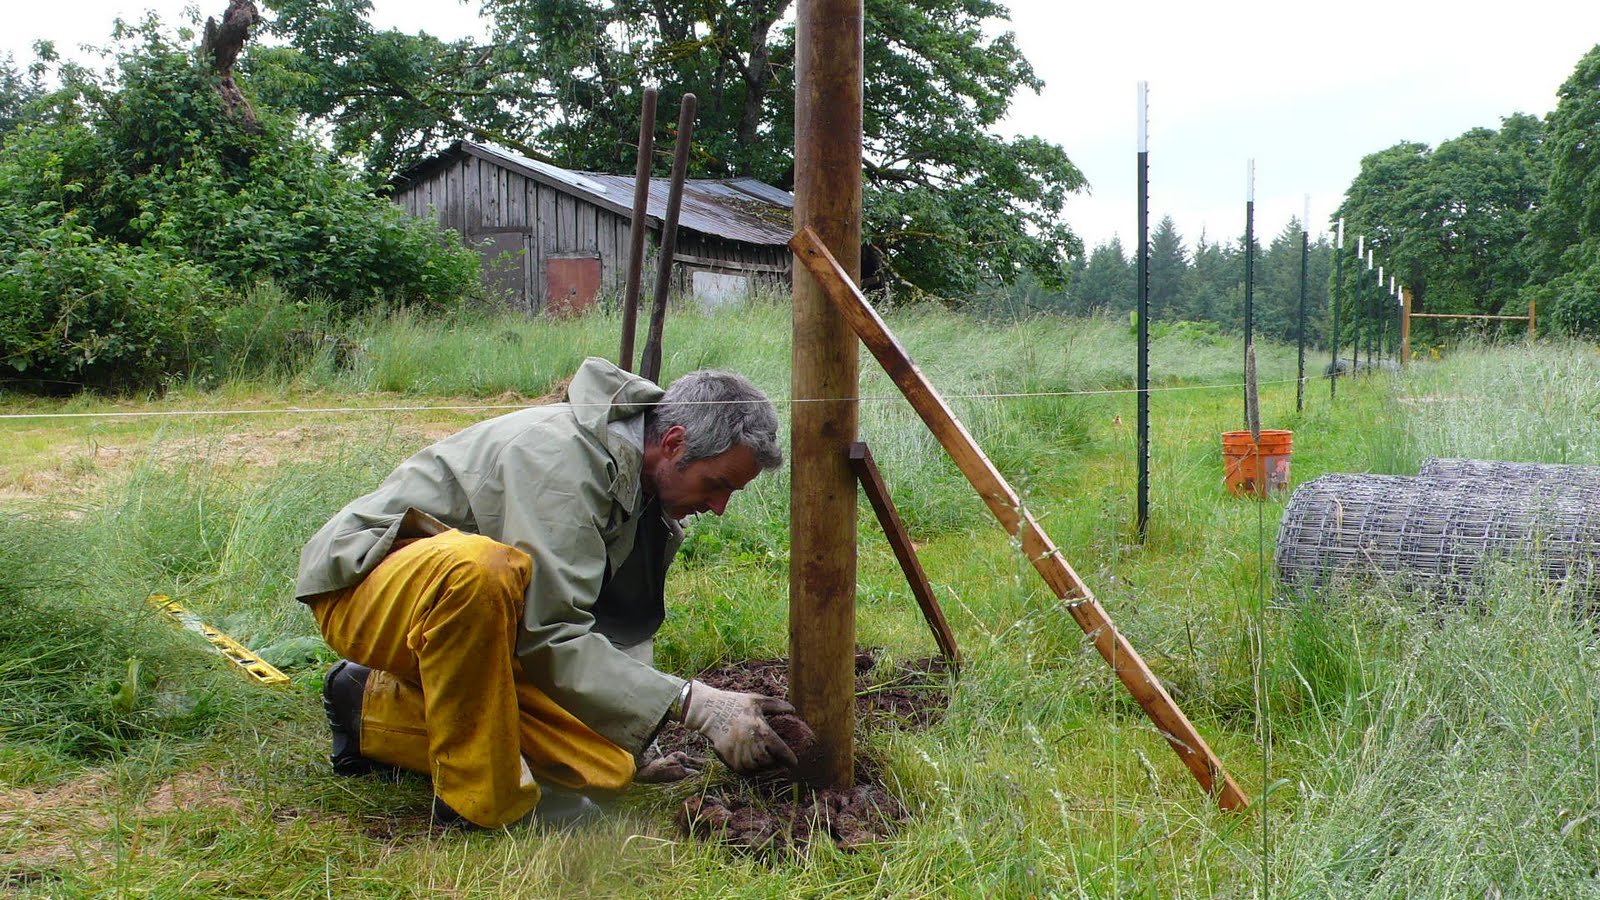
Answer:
[(1250, 182), (1361, 246), (1144, 116), (1305, 221), (1340, 245)]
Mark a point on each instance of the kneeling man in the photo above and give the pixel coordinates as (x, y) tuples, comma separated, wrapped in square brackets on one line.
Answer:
[(496, 597)]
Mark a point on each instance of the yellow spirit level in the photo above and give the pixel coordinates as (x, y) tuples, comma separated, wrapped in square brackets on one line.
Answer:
[(256, 668)]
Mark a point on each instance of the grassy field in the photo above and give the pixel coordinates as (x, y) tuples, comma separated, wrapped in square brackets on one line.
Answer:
[(1394, 751)]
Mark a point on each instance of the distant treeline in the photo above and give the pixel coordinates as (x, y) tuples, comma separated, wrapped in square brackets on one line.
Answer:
[(1484, 223), (1202, 283), (1487, 221)]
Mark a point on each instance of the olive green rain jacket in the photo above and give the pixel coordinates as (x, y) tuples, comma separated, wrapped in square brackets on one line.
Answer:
[(561, 483)]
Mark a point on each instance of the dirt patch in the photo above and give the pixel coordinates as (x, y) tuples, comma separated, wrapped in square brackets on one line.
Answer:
[(50, 825), (773, 814)]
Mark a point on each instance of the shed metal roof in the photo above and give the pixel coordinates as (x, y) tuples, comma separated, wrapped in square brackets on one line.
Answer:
[(737, 209)]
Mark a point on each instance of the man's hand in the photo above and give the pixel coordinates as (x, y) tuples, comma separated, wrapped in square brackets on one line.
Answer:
[(736, 725), (667, 768)]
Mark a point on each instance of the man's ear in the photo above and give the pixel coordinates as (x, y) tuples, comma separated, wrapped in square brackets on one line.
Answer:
[(672, 443)]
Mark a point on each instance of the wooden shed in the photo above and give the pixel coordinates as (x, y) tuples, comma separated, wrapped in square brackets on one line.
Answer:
[(554, 239)]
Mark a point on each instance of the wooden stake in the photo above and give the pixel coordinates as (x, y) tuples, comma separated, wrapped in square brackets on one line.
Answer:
[(871, 479), (638, 227), (1017, 521), (1405, 326), (650, 359), (822, 554)]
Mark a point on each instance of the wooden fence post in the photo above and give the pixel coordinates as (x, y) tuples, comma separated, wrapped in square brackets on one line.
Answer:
[(822, 554), (1405, 326)]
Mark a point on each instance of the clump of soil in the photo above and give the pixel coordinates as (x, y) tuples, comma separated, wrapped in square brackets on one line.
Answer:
[(774, 814), (865, 814), (798, 735)]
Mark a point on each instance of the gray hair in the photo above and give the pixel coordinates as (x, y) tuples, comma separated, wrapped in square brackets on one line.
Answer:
[(717, 410)]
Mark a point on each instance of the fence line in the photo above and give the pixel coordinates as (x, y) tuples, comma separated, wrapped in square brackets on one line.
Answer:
[(342, 410)]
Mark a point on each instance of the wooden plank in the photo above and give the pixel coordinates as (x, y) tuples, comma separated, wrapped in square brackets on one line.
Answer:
[(566, 229), (866, 469), (516, 209), (586, 228), (730, 264), (1017, 521), (546, 241)]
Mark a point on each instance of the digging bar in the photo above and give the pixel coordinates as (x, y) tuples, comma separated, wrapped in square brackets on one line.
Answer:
[(1017, 521), (650, 358), (637, 227)]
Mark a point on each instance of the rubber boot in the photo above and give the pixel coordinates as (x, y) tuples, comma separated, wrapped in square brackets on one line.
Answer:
[(341, 700), (560, 809)]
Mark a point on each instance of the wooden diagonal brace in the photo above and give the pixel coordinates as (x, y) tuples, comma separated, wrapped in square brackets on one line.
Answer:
[(1168, 719), (866, 469)]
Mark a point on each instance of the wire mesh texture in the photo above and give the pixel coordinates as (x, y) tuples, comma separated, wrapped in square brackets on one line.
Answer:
[(1585, 476), (1437, 533)]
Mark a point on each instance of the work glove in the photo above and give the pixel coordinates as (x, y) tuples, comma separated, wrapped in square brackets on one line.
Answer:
[(736, 725)]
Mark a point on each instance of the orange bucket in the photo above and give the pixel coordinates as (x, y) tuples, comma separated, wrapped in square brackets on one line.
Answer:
[(1255, 467)]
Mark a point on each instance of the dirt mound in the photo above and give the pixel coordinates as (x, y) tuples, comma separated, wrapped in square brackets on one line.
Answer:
[(865, 814), (772, 814)]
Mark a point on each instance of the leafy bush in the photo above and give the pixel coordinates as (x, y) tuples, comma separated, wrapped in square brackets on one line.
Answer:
[(74, 308), (135, 210), (1572, 300)]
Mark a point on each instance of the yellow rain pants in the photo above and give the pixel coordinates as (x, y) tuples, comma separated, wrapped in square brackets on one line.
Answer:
[(436, 622)]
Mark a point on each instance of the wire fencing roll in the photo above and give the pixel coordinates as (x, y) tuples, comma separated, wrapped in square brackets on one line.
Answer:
[(1575, 476), (1436, 533)]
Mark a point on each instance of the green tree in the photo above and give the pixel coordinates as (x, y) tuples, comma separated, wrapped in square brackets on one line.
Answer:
[(1450, 221), (1169, 267), (134, 207), (1277, 296), (949, 204), (1109, 281), (1565, 248), (20, 89), (1211, 289)]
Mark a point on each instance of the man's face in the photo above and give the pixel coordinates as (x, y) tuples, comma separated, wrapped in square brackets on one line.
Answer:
[(701, 486)]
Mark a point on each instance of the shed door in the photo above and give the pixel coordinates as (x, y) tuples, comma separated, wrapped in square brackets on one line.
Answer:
[(504, 257), (570, 284)]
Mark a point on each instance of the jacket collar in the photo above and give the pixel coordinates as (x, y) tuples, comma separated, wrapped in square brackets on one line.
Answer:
[(610, 404)]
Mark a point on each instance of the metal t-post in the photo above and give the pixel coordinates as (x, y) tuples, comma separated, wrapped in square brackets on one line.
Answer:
[(1300, 330), (1249, 264), (1142, 511), (1338, 298)]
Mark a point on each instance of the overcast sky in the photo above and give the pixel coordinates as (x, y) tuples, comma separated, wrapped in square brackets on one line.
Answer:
[(1306, 90)]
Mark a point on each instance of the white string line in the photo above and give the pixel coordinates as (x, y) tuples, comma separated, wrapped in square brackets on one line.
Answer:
[(299, 410)]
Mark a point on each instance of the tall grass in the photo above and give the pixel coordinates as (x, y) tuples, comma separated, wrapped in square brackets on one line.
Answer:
[(1522, 402), (1414, 751)]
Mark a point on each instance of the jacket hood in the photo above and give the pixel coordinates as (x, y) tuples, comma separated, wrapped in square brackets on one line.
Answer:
[(601, 393)]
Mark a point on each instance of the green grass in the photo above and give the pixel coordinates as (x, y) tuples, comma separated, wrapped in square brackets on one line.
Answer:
[(1410, 752)]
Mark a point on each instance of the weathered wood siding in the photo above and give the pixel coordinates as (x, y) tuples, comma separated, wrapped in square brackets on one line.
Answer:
[(479, 199)]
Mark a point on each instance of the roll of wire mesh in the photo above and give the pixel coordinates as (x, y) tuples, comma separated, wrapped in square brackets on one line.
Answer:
[(1439, 534), (1576, 476)]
